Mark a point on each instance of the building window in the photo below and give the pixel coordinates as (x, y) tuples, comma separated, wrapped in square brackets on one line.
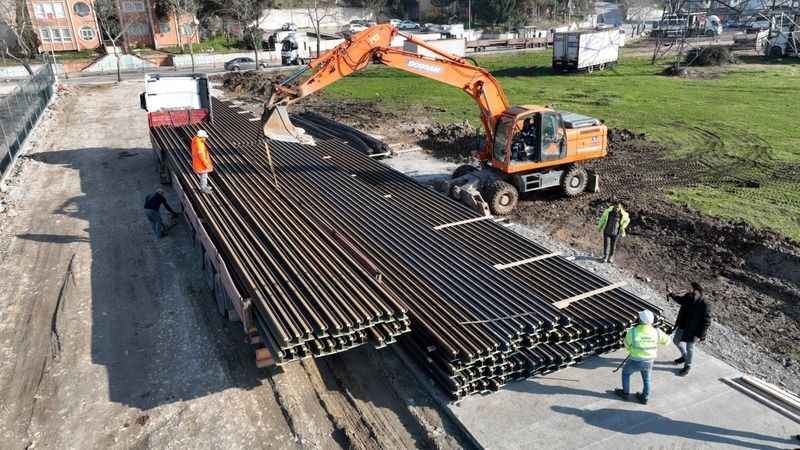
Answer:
[(164, 27), (133, 6), (81, 9), (48, 10), (137, 29), (187, 29), (56, 35), (87, 34)]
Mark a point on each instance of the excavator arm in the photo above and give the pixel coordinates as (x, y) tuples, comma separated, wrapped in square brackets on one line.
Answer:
[(374, 44)]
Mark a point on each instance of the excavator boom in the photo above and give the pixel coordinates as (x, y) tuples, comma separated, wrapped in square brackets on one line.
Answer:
[(374, 45)]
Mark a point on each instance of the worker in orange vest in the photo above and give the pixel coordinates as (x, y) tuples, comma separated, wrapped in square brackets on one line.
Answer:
[(201, 160)]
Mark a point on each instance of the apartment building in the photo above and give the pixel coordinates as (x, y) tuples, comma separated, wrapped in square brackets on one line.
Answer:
[(65, 25), (71, 25), (144, 29)]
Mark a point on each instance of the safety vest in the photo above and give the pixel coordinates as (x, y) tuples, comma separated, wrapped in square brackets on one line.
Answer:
[(201, 161), (642, 342)]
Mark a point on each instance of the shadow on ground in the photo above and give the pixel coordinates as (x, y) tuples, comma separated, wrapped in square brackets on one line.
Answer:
[(645, 422), (155, 327)]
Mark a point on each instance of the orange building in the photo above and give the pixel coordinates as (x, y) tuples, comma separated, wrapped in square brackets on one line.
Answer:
[(65, 25), (71, 25), (144, 29)]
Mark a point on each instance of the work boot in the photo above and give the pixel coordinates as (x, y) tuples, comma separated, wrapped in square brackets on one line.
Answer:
[(621, 394), (680, 360), (610, 260), (642, 399), (685, 371)]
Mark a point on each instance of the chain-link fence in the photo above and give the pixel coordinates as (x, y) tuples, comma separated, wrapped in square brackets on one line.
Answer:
[(19, 111)]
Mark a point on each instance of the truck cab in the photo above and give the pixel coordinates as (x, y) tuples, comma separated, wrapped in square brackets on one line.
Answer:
[(294, 50), (175, 101)]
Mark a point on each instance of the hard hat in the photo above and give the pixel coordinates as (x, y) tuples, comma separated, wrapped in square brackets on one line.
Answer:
[(646, 317), (202, 134)]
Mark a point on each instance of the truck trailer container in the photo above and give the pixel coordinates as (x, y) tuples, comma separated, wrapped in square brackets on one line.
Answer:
[(585, 50)]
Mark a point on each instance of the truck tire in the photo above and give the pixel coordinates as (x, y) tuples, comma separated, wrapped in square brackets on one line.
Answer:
[(463, 170), (574, 181), (502, 198), (235, 68), (776, 51)]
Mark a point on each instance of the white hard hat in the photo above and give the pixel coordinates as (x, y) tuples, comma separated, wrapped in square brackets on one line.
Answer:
[(646, 317), (202, 133)]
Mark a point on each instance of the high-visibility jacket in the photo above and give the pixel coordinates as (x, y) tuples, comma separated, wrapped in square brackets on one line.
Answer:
[(623, 221), (201, 161), (642, 342)]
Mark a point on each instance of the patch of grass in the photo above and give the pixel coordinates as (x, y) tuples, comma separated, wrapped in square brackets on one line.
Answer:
[(216, 44), (744, 117), (83, 54)]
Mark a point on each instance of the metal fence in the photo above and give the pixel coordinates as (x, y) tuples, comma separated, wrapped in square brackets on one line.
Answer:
[(19, 111)]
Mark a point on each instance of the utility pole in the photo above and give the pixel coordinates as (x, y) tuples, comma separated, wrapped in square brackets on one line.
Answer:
[(469, 15)]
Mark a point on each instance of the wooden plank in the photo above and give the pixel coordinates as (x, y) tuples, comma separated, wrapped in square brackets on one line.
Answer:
[(525, 261), (462, 222), (568, 301)]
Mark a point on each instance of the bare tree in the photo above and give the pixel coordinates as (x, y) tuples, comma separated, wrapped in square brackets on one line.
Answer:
[(375, 7), (15, 15), (108, 16), (251, 15), (317, 12)]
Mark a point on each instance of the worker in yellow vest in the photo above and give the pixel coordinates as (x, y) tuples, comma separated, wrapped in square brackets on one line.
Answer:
[(642, 342)]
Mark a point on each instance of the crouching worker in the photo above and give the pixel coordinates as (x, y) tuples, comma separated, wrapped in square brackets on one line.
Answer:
[(642, 342), (152, 205)]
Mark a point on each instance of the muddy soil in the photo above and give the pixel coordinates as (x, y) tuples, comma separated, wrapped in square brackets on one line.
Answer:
[(752, 276)]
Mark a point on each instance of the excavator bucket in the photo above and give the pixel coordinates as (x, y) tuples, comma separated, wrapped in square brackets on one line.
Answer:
[(278, 126)]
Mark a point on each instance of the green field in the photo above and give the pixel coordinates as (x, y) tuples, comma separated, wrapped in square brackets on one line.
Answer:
[(743, 119)]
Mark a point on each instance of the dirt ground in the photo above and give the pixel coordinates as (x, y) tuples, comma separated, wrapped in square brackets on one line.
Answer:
[(752, 277), (111, 339)]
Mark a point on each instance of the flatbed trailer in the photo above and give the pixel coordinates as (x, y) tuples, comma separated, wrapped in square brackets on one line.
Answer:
[(482, 45)]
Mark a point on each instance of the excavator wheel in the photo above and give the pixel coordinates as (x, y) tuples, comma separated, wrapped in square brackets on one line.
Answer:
[(574, 181), (463, 170), (502, 198)]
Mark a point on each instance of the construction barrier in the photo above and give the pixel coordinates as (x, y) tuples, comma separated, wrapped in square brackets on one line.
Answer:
[(19, 111)]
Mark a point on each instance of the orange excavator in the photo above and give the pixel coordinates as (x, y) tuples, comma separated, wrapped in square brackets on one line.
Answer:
[(527, 148)]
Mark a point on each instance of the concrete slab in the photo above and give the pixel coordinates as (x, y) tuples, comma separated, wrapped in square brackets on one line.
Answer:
[(576, 408), (421, 166)]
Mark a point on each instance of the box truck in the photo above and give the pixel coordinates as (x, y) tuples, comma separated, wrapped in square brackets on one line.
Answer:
[(585, 50)]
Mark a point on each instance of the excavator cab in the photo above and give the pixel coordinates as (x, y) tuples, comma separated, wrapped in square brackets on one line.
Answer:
[(528, 136)]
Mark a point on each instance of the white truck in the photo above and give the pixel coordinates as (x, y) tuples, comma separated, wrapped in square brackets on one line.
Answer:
[(295, 50), (585, 50)]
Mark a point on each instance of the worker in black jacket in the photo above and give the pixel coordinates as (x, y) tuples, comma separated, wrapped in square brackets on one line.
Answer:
[(691, 325), (152, 204)]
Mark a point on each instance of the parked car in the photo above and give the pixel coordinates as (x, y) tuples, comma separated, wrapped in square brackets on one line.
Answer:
[(288, 26), (237, 64), (357, 25), (731, 23), (758, 25), (395, 22), (408, 25)]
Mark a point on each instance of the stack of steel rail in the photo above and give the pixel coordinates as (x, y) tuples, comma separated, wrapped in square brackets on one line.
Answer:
[(312, 296), (486, 305)]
